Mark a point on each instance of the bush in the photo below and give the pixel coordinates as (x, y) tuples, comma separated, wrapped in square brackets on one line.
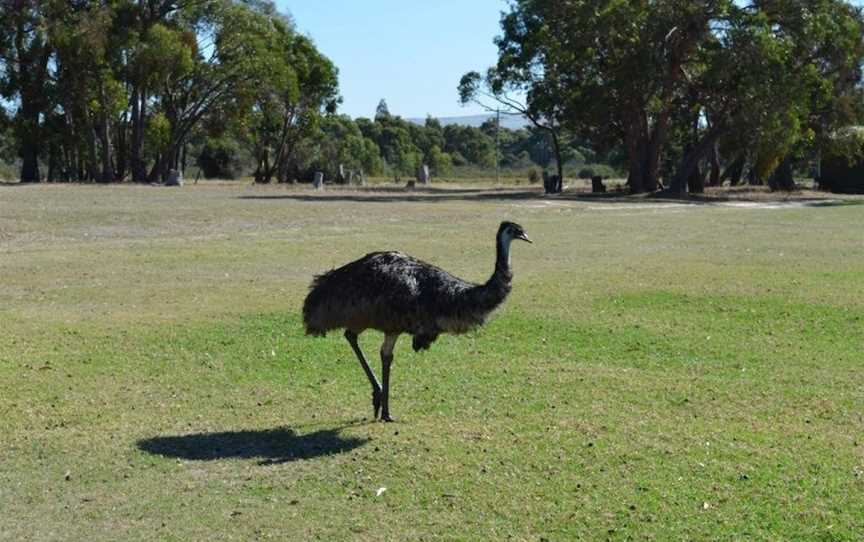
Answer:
[(220, 159), (9, 171), (594, 170), (533, 176), (586, 173)]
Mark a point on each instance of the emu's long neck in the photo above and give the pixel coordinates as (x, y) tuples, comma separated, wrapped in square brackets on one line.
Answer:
[(486, 297), (502, 258)]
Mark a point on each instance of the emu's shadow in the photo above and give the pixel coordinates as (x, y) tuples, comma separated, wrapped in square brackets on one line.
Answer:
[(271, 446)]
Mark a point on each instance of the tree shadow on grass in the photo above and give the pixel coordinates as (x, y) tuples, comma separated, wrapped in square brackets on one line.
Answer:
[(420, 195), (388, 194), (271, 446)]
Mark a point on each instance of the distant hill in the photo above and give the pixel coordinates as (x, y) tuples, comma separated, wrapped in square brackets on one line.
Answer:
[(513, 122)]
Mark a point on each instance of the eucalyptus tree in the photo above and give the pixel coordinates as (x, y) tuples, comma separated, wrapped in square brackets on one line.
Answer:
[(90, 95), (148, 67), (775, 79), (615, 69), (220, 52), (25, 55), (287, 106), (623, 73), (341, 143)]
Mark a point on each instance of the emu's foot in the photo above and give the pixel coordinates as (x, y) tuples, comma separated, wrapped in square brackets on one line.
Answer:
[(376, 403)]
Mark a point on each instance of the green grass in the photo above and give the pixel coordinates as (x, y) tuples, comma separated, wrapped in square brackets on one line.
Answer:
[(662, 371)]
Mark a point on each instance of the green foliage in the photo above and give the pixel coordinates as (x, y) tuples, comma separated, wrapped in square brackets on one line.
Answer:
[(342, 143), (842, 168), (7, 138), (129, 89), (284, 113), (847, 143), (472, 144), (220, 158), (440, 162), (593, 170), (382, 112), (163, 58), (633, 74), (158, 133)]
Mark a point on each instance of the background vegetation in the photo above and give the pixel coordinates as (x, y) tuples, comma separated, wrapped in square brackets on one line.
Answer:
[(128, 90), (675, 94)]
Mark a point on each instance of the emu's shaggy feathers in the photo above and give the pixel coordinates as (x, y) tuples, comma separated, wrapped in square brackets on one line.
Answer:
[(396, 293)]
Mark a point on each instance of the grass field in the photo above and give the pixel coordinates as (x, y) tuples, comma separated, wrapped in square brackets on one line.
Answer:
[(661, 371)]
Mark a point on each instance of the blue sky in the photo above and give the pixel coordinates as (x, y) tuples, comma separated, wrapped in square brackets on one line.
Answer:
[(409, 52)]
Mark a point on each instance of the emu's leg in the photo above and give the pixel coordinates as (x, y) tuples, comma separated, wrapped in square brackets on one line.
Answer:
[(386, 360), (376, 387)]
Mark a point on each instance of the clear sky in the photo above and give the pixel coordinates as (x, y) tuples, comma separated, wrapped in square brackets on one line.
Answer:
[(410, 52)]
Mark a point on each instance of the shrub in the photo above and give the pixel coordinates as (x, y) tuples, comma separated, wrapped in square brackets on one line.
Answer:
[(586, 173), (219, 159)]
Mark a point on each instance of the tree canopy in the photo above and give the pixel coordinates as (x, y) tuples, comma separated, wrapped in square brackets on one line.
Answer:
[(634, 74)]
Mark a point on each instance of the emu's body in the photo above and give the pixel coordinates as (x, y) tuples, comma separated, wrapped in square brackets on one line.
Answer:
[(395, 293)]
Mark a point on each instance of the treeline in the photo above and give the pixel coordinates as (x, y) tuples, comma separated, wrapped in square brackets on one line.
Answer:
[(390, 145), (115, 90), (692, 91), (677, 93)]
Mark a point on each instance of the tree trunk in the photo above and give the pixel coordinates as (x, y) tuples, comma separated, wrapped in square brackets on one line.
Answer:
[(752, 178), (264, 172), (159, 171), (653, 150), (30, 163), (120, 148), (635, 173), (52, 170), (31, 71), (30, 146), (92, 155), (107, 175), (696, 181), (556, 148), (735, 170), (690, 162), (714, 157), (282, 173), (644, 164), (136, 150)]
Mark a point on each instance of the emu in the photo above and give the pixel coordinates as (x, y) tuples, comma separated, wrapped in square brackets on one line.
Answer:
[(395, 293)]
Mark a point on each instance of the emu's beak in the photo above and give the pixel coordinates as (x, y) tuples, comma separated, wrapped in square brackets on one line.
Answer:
[(524, 237)]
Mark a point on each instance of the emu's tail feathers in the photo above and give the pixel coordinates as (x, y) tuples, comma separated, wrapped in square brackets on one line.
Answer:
[(312, 308), (423, 342)]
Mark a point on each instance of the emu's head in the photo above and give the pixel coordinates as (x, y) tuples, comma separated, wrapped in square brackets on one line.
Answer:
[(509, 231)]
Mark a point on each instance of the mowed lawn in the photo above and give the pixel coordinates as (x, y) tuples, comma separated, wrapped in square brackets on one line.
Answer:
[(661, 371)]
